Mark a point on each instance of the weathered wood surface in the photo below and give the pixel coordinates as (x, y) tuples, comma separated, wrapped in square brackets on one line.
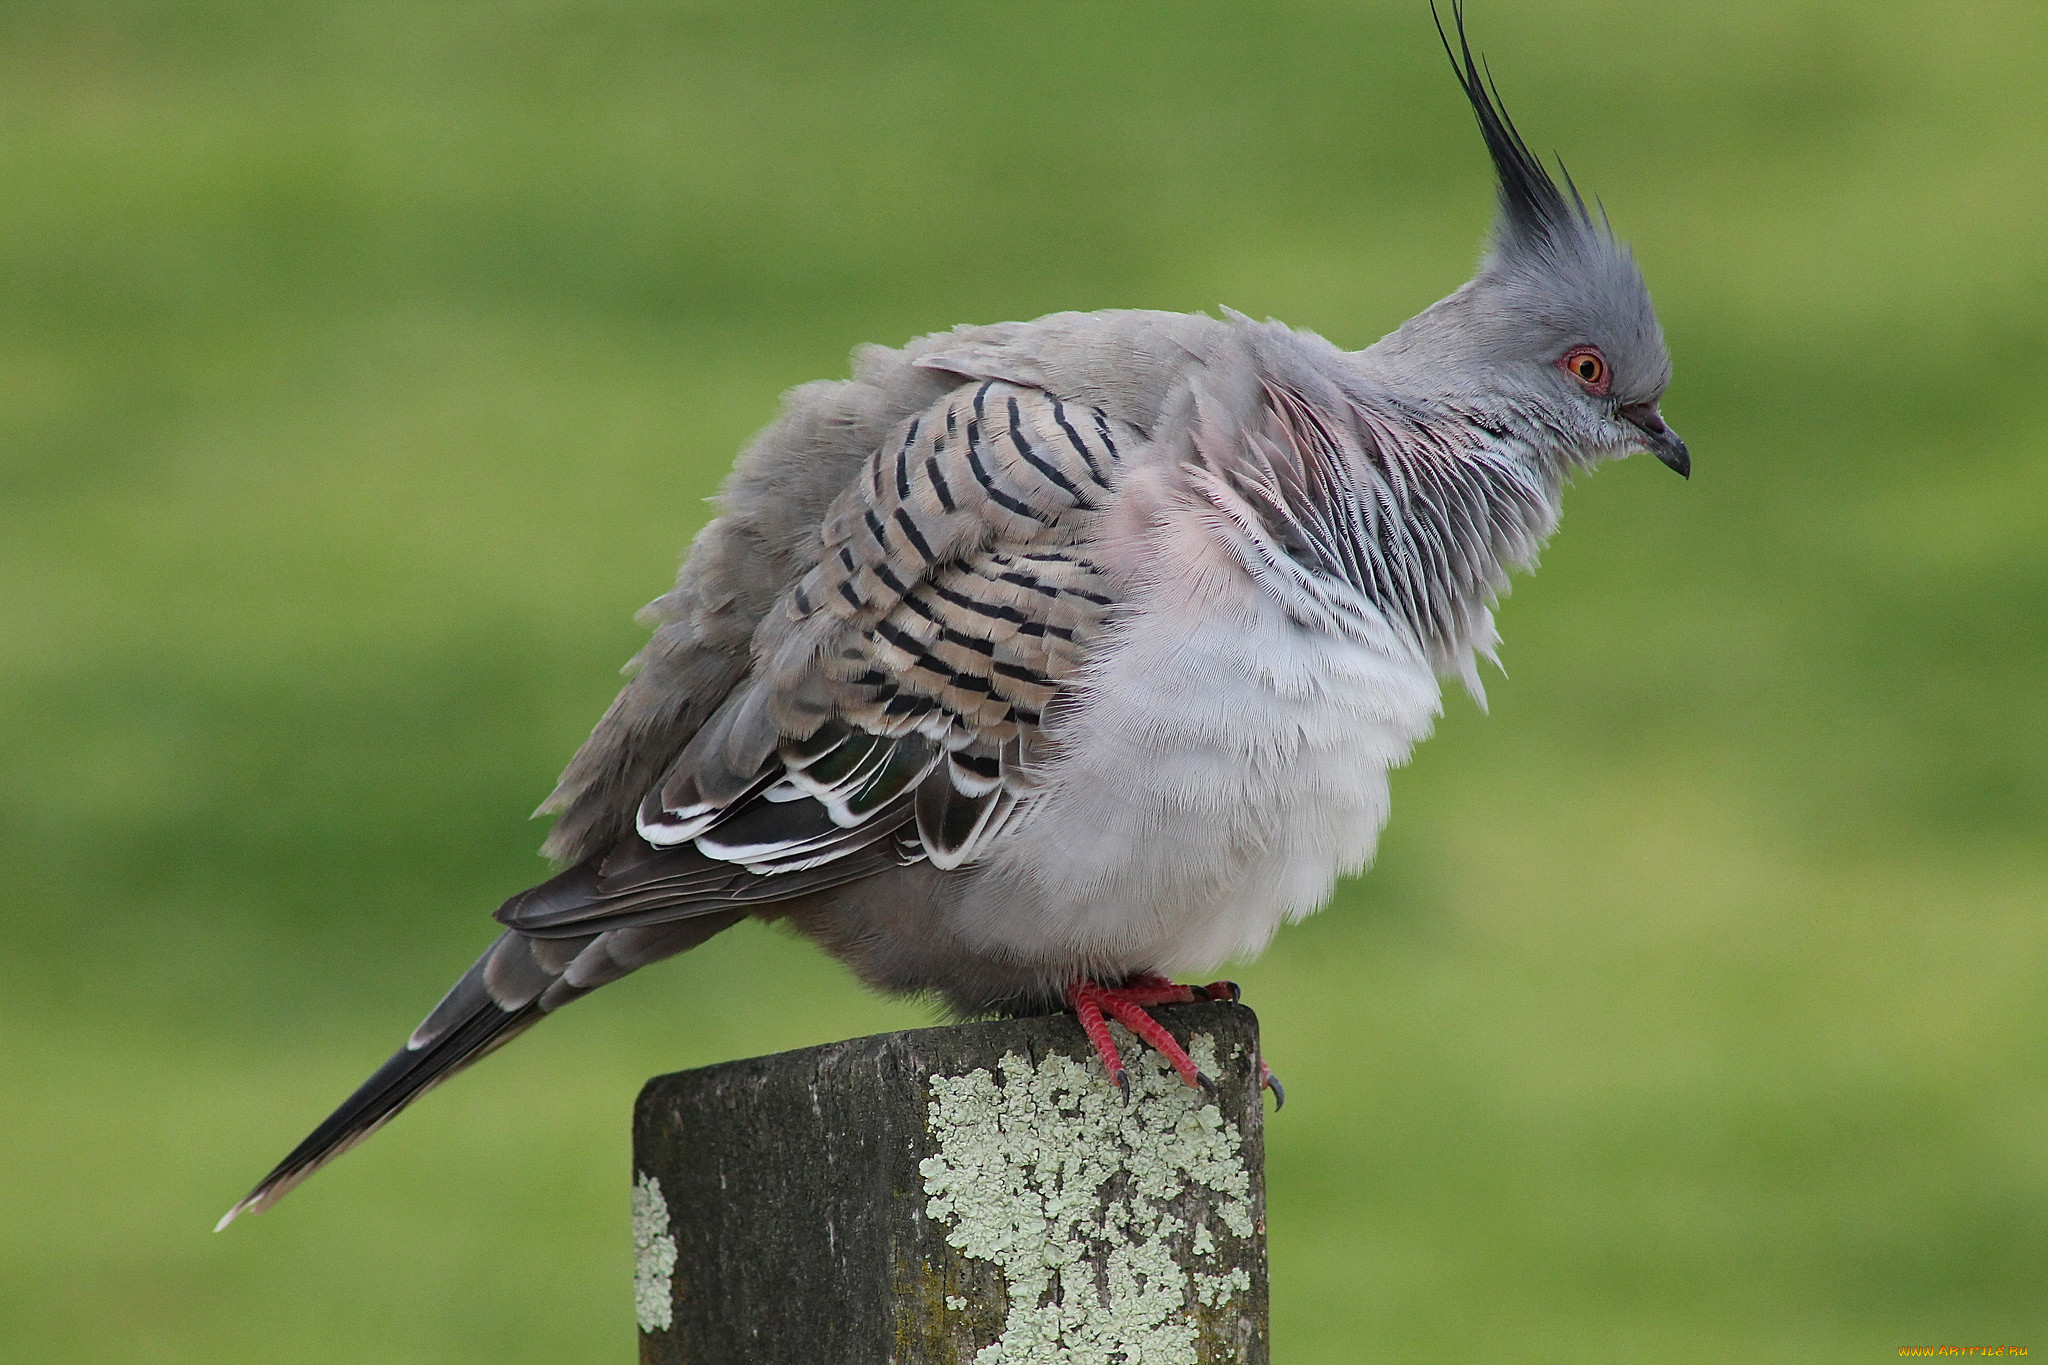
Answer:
[(979, 1193)]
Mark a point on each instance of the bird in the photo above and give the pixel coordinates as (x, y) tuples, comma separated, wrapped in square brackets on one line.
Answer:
[(1037, 664)]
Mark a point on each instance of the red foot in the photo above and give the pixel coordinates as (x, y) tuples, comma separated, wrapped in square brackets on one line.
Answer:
[(1126, 1004)]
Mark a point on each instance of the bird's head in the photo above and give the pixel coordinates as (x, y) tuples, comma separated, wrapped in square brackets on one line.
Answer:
[(1557, 326)]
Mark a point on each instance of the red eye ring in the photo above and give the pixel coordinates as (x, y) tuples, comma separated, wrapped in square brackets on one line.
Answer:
[(1589, 367)]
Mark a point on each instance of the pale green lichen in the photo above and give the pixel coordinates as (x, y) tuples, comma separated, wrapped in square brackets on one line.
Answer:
[(1077, 1197), (1216, 1290), (654, 1256)]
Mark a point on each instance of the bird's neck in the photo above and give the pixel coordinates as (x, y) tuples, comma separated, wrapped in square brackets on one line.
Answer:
[(1387, 514), (1451, 508)]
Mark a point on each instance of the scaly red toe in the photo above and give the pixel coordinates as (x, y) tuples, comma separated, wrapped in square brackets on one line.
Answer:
[(1126, 1004)]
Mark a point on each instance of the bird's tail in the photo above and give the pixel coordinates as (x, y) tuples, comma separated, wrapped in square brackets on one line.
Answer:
[(519, 979)]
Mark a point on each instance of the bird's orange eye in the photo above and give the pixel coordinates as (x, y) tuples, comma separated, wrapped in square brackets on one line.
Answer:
[(1588, 366)]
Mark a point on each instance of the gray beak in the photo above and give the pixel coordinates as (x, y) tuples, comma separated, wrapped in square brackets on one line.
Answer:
[(1662, 441)]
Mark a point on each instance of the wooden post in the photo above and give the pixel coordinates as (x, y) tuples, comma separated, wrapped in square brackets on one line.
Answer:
[(974, 1194)]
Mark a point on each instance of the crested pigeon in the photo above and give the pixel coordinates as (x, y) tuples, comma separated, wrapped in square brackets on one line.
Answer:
[(1040, 662)]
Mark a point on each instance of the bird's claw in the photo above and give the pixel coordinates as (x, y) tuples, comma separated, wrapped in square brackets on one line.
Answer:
[(1221, 990), (1268, 1081)]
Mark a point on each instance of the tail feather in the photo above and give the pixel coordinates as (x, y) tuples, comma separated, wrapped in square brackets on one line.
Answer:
[(518, 980), (471, 1025)]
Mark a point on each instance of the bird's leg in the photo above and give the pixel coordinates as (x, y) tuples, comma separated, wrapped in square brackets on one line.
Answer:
[(1141, 989), (1149, 988), (1126, 1004), (1085, 997)]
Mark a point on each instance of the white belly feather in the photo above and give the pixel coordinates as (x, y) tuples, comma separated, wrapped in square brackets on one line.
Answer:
[(1223, 766)]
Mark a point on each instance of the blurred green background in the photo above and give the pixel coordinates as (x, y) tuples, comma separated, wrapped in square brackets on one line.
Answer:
[(364, 366)]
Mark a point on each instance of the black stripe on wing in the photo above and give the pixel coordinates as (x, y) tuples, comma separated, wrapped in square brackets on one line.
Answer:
[(962, 805), (641, 884)]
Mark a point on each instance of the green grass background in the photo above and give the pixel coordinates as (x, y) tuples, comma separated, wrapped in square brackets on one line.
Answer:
[(364, 366)]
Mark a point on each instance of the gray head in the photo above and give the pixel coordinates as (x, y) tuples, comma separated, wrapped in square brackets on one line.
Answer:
[(1556, 329)]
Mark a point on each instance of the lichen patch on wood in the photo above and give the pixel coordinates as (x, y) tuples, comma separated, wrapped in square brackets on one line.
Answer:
[(1083, 1201), (654, 1256)]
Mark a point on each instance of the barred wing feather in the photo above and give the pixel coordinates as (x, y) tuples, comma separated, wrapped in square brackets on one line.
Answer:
[(894, 706)]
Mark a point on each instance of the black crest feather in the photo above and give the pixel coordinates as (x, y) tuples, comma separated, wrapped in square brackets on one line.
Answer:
[(1532, 207)]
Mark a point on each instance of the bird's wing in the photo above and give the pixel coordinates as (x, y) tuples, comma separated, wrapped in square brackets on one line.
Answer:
[(890, 714), (895, 700)]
